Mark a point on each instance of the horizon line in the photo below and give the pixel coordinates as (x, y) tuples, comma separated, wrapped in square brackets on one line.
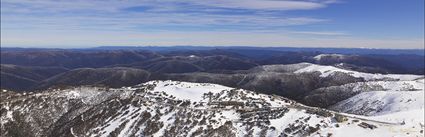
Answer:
[(202, 46)]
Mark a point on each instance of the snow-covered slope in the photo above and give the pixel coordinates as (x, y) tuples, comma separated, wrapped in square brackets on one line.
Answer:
[(382, 102), (330, 70), (327, 71), (335, 56), (172, 108), (395, 96)]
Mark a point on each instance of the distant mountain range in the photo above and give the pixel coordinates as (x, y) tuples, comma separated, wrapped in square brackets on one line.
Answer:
[(31, 69), (236, 48)]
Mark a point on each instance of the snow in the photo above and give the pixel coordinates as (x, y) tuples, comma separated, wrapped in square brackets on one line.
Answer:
[(131, 121), (282, 122), (329, 70), (188, 91), (80, 92), (382, 102), (400, 85), (230, 115), (413, 124), (398, 96), (112, 126), (282, 68), (73, 94), (167, 121), (117, 121), (320, 56), (72, 132), (356, 131), (413, 117), (401, 101), (9, 116)]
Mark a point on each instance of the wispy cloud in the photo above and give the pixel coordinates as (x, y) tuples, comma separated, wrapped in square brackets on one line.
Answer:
[(264, 4), (322, 33), (217, 14), (168, 22), (111, 5)]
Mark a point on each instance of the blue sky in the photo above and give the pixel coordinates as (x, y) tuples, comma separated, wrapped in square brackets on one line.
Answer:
[(286, 23)]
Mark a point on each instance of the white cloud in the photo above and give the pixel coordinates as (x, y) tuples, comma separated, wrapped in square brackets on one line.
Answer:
[(111, 5), (97, 13), (54, 16), (264, 4), (173, 22), (322, 33)]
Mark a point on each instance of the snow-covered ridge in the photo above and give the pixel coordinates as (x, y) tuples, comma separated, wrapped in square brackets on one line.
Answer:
[(337, 56), (413, 85), (391, 97), (186, 90), (197, 92), (382, 102), (282, 68), (329, 70)]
